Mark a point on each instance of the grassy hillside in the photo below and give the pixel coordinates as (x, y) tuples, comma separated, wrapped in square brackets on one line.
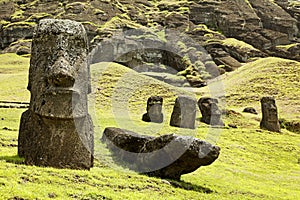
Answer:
[(253, 164), (270, 76), (13, 76)]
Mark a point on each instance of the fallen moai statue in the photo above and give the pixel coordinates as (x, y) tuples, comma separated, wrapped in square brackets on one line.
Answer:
[(166, 156), (57, 130)]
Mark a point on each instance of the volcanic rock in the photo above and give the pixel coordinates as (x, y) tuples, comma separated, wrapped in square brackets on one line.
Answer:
[(167, 156), (56, 130)]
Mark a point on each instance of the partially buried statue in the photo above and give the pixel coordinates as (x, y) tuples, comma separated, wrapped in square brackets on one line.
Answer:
[(154, 107), (184, 112), (269, 115), (211, 114), (57, 130)]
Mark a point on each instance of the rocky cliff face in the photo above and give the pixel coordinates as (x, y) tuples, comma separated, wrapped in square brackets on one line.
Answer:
[(259, 28)]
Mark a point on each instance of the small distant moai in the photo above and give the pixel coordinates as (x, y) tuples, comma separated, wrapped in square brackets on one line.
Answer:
[(154, 110), (210, 111), (269, 115), (184, 112), (56, 130)]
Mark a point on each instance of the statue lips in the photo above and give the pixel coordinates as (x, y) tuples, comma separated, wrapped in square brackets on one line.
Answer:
[(65, 103), (63, 91)]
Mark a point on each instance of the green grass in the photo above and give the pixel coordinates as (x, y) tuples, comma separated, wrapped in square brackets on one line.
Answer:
[(14, 78), (253, 164), (265, 77), (238, 44), (287, 47)]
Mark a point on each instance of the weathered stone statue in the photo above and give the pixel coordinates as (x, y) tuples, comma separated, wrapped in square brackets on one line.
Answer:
[(57, 130), (184, 112), (269, 115), (154, 108), (210, 111), (166, 156)]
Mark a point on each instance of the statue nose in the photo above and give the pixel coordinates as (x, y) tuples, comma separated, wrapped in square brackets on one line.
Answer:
[(62, 74)]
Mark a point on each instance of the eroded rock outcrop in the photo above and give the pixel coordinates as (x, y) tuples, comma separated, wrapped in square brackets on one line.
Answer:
[(167, 156), (143, 50), (57, 130), (263, 24)]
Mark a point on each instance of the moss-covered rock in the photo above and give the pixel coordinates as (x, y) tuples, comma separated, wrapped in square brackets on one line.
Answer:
[(203, 21), (15, 31)]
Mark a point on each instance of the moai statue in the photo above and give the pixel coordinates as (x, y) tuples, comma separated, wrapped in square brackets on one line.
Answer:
[(210, 111), (184, 112), (154, 107), (57, 130), (269, 115)]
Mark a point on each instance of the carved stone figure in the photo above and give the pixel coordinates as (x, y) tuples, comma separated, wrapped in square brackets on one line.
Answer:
[(269, 115), (210, 111), (166, 156), (154, 108), (57, 130), (184, 112)]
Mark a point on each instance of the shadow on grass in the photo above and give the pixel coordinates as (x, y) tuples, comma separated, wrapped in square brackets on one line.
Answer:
[(189, 186), (13, 159)]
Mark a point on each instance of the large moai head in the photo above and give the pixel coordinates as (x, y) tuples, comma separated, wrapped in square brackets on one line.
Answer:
[(269, 115), (154, 110), (57, 130), (59, 74), (184, 112), (210, 111)]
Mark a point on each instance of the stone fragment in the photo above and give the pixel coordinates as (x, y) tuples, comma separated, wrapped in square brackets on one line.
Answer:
[(167, 156), (184, 112), (154, 110), (250, 110), (210, 111), (269, 120), (56, 130)]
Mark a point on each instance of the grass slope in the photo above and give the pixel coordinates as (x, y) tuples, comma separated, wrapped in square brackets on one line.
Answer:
[(253, 164), (14, 78), (271, 76)]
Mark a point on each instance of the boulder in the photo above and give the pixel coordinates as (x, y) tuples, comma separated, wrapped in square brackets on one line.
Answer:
[(291, 125), (56, 130), (7, 9), (14, 32), (250, 110), (184, 112), (154, 108), (229, 62), (269, 120), (167, 156)]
